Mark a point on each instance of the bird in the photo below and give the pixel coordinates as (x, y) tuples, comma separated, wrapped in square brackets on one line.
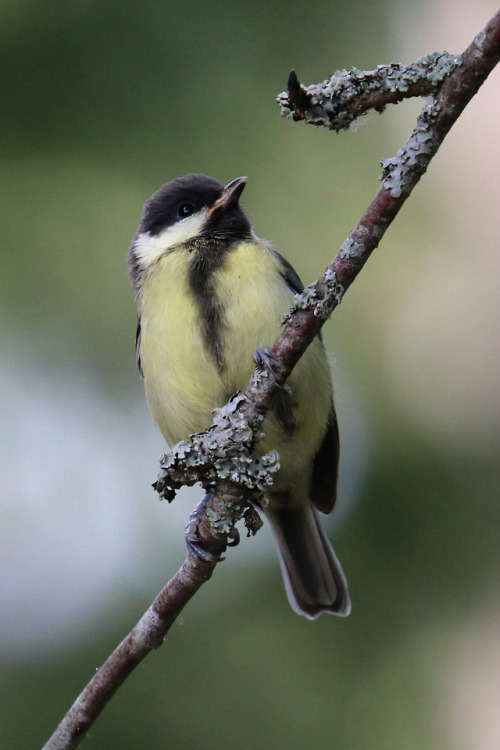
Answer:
[(209, 295)]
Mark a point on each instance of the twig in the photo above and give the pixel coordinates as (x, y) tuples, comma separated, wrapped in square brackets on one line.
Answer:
[(347, 94), (147, 635), (401, 173)]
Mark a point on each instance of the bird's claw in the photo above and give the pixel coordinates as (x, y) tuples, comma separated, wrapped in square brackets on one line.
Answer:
[(264, 359), (234, 536), (193, 540)]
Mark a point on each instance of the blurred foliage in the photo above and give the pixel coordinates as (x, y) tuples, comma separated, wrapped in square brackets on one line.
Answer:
[(105, 101), (101, 103)]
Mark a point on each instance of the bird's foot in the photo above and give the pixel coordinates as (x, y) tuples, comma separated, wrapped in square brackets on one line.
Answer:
[(266, 361), (194, 542)]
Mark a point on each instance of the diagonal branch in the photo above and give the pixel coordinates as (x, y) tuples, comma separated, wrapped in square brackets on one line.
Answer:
[(400, 175), (313, 306)]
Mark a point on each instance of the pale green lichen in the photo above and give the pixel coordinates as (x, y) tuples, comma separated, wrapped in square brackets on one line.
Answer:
[(330, 101), (398, 169), (333, 297), (222, 452), (351, 249), (308, 298), (304, 300), (223, 519), (254, 473)]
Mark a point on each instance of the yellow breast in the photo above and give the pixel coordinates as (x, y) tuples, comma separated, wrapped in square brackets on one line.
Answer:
[(183, 383)]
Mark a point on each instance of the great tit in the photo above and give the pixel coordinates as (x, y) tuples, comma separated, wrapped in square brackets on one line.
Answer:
[(209, 294)]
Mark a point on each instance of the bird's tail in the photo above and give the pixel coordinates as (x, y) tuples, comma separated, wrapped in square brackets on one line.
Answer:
[(313, 576)]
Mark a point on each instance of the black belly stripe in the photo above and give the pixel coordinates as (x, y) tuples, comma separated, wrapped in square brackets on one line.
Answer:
[(208, 255)]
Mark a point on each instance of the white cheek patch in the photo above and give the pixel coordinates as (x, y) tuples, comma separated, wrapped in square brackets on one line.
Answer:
[(148, 248)]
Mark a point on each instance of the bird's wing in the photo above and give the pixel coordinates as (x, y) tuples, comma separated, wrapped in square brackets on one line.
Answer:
[(138, 347), (289, 273), (323, 488)]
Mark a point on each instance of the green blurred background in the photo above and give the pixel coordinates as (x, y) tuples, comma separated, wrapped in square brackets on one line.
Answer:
[(102, 102)]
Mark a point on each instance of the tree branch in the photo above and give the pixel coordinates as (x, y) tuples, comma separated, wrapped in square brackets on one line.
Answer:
[(216, 456), (347, 94)]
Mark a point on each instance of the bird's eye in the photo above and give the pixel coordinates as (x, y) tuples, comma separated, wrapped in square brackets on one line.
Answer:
[(186, 210)]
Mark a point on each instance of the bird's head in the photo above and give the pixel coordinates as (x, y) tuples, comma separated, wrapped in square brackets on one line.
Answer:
[(183, 212)]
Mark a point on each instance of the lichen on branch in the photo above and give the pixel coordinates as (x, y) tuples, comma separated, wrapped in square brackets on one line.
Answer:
[(344, 96), (224, 451)]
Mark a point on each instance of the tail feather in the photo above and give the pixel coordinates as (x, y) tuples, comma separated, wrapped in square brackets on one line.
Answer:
[(313, 576)]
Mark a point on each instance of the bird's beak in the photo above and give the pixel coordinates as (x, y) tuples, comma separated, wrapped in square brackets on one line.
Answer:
[(230, 196)]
